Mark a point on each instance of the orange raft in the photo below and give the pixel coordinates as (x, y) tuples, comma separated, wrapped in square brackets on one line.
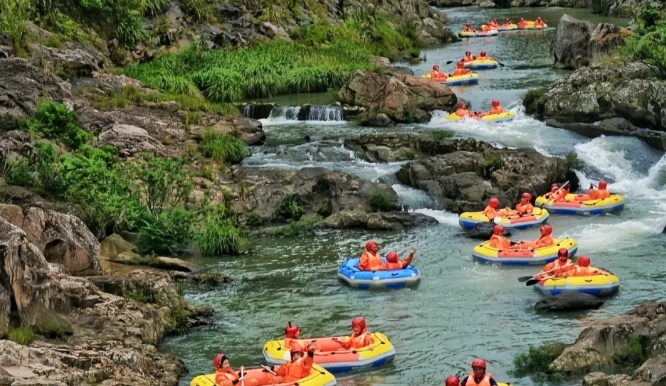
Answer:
[(331, 356), (260, 377)]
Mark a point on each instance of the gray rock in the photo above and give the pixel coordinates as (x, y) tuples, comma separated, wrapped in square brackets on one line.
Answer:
[(614, 127), (229, 11), (379, 221), (569, 301), (483, 231), (379, 120), (487, 4), (130, 140)]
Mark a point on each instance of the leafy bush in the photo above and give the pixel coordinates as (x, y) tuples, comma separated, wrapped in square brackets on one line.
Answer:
[(162, 182), (167, 233), (380, 201), (14, 15), (632, 355), (218, 235), (21, 335), (54, 121), (303, 226), (291, 208), (536, 362), (223, 148), (18, 173), (649, 43)]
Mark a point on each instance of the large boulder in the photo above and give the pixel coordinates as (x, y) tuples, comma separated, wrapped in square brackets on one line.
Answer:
[(75, 60), (594, 93), (463, 174), (614, 127), (63, 239), (130, 140), (569, 301), (403, 98), (623, 8), (577, 43), (483, 231), (381, 221)]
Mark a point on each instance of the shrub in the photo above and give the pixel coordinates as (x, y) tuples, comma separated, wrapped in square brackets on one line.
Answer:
[(573, 162), (223, 148), (441, 134), (291, 208), (167, 233), (21, 335), (54, 121), (380, 201), (218, 234), (649, 43), (18, 173), (297, 228), (162, 182), (536, 362), (14, 15), (632, 355)]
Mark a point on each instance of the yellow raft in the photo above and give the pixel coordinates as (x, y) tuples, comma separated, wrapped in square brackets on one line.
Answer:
[(504, 27), (459, 80), (468, 220), (484, 253), (597, 285), (258, 377), (506, 116), (530, 25), (481, 64), (576, 204)]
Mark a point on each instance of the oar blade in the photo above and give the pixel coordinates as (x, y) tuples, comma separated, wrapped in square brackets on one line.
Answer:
[(525, 278), (531, 282)]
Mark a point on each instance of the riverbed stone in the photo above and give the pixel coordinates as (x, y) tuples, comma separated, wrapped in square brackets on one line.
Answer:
[(569, 301), (379, 221)]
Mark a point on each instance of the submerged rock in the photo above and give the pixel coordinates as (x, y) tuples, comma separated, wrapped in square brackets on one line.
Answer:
[(483, 231), (380, 221), (569, 301), (614, 127), (577, 43), (402, 98)]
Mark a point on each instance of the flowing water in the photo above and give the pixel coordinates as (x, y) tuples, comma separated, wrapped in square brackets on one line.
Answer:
[(461, 310)]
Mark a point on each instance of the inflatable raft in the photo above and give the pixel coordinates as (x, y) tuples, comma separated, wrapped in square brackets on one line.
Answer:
[(483, 253), (333, 358), (468, 220), (460, 80), (574, 204), (532, 26), (506, 116), (356, 278), (481, 64), (318, 377), (477, 34), (504, 27), (598, 285)]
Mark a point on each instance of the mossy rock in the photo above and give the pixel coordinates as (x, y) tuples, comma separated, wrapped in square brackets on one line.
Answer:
[(535, 102)]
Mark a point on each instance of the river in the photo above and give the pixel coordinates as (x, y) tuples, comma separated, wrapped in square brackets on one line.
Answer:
[(461, 310)]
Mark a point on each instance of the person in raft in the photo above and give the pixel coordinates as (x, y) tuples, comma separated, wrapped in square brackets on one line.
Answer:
[(507, 22), (468, 28), (462, 111), (370, 260), (360, 337), (491, 209), (393, 261), (582, 269), (495, 109), (538, 22), (482, 56), (460, 69), (435, 74), (291, 334), (557, 194), (522, 208), (497, 240), (297, 368), (479, 376), (468, 57), (545, 240), (558, 266), (553, 190), (522, 23), (598, 194), (452, 381), (224, 375)]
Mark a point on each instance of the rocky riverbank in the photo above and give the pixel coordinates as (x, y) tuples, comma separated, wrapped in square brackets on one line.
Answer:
[(612, 8), (463, 174), (631, 342)]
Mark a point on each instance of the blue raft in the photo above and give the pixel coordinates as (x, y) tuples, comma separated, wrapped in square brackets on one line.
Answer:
[(364, 280)]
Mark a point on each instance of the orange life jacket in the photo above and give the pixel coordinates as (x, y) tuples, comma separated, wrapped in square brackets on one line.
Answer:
[(399, 264), (524, 208), (490, 212), (358, 341), (598, 194), (225, 377), (437, 75), (296, 370), (496, 110), (499, 242), (369, 261), (580, 271), (461, 71), (545, 241), (555, 267), (462, 112), (484, 382)]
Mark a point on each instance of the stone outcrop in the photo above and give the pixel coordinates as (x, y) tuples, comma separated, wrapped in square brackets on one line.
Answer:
[(463, 174), (381, 221), (402, 98), (623, 8), (614, 127), (577, 43), (569, 301)]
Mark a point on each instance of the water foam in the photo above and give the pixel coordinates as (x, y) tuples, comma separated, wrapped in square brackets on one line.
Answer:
[(442, 216)]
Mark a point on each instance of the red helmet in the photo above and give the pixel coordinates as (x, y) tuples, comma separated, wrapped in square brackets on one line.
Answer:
[(452, 381), (461, 64), (468, 53), (554, 187), (371, 245), (358, 322), (602, 184), (563, 252), (468, 25), (538, 17), (435, 67), (295, 348), (291, 331), (584, 261), (461, 105), (546, 230), (392, 257), (526, 196), (217, 362), (498, 230), (521, 19), (483, 53), (479, 363), (494, 203), (495, 103)]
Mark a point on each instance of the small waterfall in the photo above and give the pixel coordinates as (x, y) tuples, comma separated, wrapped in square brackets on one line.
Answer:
[(284, 113), (324, 113), (256, 110), (247, 111)]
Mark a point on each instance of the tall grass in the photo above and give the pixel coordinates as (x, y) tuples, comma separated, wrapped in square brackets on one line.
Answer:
[(223, 148), (219, 236), (271, 69)]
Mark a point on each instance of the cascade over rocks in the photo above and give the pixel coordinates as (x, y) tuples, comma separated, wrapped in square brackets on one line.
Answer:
[(463, 174), (577, 43), (402, 98)]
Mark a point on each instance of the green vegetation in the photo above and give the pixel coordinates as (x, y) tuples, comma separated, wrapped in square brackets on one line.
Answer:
[(223, 148), (21, 335), (54, 121), (573, 162), (648, 44), (535, 101), (297, 228), (380, 201), (536, 362), (492, 163), (292, 209), (218, 234), (632, 355), (441, 134), (52, 326)]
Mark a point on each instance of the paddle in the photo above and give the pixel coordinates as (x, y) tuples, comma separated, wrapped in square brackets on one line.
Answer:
[(557, 191), (267, 368), (242, 378), (523, 279)]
